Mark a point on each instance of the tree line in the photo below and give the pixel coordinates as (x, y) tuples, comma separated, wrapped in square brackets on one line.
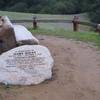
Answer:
[(92, 7)]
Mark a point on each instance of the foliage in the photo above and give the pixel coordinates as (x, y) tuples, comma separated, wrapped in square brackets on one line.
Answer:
[(18, 7), (41, 6)]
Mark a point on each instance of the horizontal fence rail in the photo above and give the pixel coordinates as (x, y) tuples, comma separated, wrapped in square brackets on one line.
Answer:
[(54, 21), (44, 21), (75, 22)]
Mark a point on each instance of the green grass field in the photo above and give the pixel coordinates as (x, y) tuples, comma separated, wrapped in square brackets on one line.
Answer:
[(19, 16)]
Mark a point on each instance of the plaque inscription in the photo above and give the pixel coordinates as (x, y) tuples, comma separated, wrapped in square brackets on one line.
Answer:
[(25, 59)]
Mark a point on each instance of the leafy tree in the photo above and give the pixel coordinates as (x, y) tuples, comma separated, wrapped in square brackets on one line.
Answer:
[(20, 6)]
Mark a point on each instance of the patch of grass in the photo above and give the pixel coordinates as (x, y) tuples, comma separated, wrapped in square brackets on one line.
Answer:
[(28, 16), (80, 36)]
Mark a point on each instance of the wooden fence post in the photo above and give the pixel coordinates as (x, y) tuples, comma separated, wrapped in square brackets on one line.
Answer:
[(34, 23), (75, 23), (98, 28)]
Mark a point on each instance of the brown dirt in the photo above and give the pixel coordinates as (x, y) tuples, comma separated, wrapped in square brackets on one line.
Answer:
[(76, 74)]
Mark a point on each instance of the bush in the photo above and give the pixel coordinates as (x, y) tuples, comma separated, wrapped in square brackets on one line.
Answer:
[(19, 7), (60, 8), (34, 9), (95, 15), (46, 10)]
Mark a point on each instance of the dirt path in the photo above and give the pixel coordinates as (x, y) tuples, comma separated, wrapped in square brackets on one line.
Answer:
[(76, 74)]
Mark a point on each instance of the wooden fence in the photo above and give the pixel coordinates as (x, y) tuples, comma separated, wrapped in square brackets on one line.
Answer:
[(75, 23)]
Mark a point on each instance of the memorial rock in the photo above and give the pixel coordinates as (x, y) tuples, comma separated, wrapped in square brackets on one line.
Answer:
[(26, 65)]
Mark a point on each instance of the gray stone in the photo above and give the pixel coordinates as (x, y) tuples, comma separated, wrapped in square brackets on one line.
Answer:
[(23, 36), (7, 36), (26, 65)]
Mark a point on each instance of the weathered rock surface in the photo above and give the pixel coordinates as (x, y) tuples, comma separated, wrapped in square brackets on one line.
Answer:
[(23, 36), (7, 36), (26, 65)]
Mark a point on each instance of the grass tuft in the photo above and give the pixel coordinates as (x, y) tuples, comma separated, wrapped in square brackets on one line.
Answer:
[(80, 36)]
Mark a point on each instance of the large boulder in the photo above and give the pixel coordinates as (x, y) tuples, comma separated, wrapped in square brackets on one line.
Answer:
[(26, 65), (14, 35)]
